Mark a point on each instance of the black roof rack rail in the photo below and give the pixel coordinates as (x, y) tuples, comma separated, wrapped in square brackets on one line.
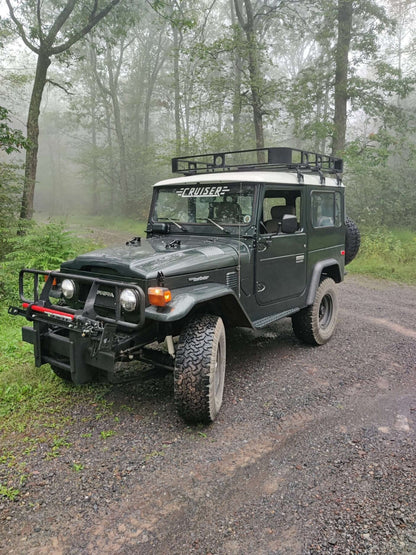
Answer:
[(275, 158)]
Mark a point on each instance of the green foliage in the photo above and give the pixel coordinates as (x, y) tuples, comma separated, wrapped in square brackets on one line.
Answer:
[(43, 247), (11, 183), (11, 180), (387, 254), (380, 181), (11, 140)]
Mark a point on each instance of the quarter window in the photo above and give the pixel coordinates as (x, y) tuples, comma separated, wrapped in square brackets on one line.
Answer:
[(326, 209)]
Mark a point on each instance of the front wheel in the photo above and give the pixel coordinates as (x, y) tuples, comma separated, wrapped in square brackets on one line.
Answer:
[(315, 324), (200, 369)]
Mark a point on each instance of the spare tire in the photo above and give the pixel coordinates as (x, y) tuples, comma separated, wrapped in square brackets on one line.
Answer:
[(352, 240)]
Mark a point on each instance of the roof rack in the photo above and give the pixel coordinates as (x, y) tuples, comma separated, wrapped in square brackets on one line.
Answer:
[(275, 158)]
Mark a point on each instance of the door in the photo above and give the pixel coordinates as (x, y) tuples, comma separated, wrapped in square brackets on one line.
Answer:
[(280, 257)]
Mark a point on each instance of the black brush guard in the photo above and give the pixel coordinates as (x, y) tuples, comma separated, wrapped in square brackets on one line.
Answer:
[(79, 342)]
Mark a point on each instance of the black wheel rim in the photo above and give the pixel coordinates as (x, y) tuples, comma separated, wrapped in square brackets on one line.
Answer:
[(325, 311)]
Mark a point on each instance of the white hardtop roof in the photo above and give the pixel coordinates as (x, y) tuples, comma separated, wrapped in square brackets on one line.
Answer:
[(278, 177)]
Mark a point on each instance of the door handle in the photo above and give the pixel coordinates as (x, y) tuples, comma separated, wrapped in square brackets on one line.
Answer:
[(263, 244)]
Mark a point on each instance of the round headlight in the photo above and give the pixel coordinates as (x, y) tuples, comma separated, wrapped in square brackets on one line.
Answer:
[(128, 300), (68, 288)]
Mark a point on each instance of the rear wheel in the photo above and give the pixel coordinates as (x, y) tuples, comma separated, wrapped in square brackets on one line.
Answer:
[(315, 324), (200, 369)]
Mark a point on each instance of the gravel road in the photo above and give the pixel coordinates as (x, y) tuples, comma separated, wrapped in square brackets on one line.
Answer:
[(313, 452)]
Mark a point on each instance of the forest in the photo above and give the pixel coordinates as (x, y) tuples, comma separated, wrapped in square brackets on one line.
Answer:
[(96, 96)]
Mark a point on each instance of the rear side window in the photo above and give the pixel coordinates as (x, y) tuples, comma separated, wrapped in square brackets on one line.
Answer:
[(326, 209)]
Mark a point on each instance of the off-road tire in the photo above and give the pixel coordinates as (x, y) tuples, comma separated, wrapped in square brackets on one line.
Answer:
[(200, 369), (352, 240), (61, 373), (316, 323)]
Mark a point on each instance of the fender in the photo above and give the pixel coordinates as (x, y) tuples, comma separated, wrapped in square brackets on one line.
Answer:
[(185, 299), (336, 274)]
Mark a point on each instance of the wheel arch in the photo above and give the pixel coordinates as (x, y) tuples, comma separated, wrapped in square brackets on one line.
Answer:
[(227, 307), (327, 268), (213, 298)]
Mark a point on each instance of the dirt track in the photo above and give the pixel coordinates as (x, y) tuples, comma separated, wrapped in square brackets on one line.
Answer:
[(313, 452)]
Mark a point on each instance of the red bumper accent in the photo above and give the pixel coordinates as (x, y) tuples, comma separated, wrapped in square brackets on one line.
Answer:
[(50, 311)]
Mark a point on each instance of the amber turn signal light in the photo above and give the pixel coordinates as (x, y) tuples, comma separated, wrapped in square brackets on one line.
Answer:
[(54, 282), (159, 296)]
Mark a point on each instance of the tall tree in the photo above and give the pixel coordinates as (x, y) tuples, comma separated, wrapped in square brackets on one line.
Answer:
[(49, 32), (246, 18), (341, 75)]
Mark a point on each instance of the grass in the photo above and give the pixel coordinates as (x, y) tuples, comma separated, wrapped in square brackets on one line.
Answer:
[(387, 254), (35, 409)]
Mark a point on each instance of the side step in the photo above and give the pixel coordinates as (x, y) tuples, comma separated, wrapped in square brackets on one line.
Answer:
[(263, 322)]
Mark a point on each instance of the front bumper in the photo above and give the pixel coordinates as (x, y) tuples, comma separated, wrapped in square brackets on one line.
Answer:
[(81, 342)]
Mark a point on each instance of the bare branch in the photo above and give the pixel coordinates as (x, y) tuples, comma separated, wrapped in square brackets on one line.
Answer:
[(59, 86), (41, 35), (93, 58), (239, 14), (20, 29), (93, 20), (60, 21)]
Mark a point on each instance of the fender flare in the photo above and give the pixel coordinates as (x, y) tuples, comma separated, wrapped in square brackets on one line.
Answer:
[(316, 277), (184, 300)]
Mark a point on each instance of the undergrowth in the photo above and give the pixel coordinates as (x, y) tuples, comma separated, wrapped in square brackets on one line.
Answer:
[(387, 254), (33, 401)]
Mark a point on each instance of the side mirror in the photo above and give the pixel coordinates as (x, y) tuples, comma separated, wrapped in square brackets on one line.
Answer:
[(289, 223)]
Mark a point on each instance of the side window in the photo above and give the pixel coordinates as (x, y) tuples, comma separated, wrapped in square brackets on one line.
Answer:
[(326, 209), (276, 204)]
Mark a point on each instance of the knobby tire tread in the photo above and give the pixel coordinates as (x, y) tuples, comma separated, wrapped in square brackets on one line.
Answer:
[(352, 240), (304, 323), (192, 364)]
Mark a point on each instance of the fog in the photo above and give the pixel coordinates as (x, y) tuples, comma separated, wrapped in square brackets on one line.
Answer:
[(127, 99)]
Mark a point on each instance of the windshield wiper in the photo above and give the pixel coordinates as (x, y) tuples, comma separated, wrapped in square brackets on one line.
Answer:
[(177, 225), (218, 225)]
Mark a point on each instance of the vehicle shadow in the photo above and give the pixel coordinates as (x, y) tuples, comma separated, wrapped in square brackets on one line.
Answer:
[(247, 351)]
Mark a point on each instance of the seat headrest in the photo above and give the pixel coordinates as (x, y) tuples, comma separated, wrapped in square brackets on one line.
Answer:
[(277, 212)]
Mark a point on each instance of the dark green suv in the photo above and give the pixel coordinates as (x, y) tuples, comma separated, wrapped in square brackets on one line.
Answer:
[(241, 239)]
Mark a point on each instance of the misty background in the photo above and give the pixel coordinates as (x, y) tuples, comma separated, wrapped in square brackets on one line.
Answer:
[(155, 80)]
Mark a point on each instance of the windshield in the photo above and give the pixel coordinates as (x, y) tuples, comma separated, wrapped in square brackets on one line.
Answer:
[(224, 204)]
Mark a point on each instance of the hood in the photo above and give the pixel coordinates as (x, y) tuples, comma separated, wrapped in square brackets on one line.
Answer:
[(145, 260)]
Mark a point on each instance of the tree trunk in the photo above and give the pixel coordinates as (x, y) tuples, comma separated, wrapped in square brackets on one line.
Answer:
[(43, 62), (114, 95), (341, 75), (158, 62), (236, 103), (177, 108), (111, 161), (248, 26)]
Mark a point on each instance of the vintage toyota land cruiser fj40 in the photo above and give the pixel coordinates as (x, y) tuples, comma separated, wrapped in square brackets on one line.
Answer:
[(233, 242)]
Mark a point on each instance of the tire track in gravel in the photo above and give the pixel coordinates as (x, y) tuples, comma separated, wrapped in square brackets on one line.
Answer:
[(128, 527), (143, 512), (396, 328)]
